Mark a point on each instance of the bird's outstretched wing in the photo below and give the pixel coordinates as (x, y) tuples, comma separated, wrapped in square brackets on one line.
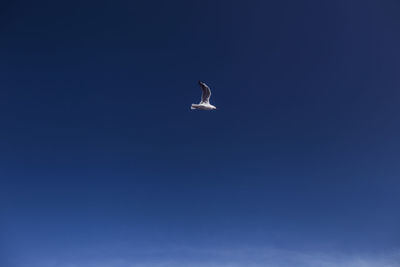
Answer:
[(205, 96)]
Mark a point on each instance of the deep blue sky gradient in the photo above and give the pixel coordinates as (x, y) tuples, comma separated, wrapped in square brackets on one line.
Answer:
[(101, 156)]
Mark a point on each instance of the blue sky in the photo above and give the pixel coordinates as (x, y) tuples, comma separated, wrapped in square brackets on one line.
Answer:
[(102, 162)]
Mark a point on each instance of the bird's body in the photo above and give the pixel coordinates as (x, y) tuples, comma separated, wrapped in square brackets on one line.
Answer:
[(205, 99)]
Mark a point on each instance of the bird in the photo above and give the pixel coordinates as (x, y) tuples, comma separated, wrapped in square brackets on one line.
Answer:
[(205, 98)]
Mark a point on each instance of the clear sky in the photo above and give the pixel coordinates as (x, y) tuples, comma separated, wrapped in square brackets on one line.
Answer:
[(102, 162)]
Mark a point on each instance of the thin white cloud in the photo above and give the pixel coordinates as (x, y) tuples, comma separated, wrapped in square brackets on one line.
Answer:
[(238, 258)]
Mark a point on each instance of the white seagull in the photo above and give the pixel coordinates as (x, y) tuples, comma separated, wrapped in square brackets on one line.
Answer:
[(205, 99)]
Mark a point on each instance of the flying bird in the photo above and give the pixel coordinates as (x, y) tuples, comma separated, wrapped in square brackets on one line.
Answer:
[(205, 99)]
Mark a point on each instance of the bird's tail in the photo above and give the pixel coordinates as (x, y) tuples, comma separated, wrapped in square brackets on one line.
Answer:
[(192, 107)]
